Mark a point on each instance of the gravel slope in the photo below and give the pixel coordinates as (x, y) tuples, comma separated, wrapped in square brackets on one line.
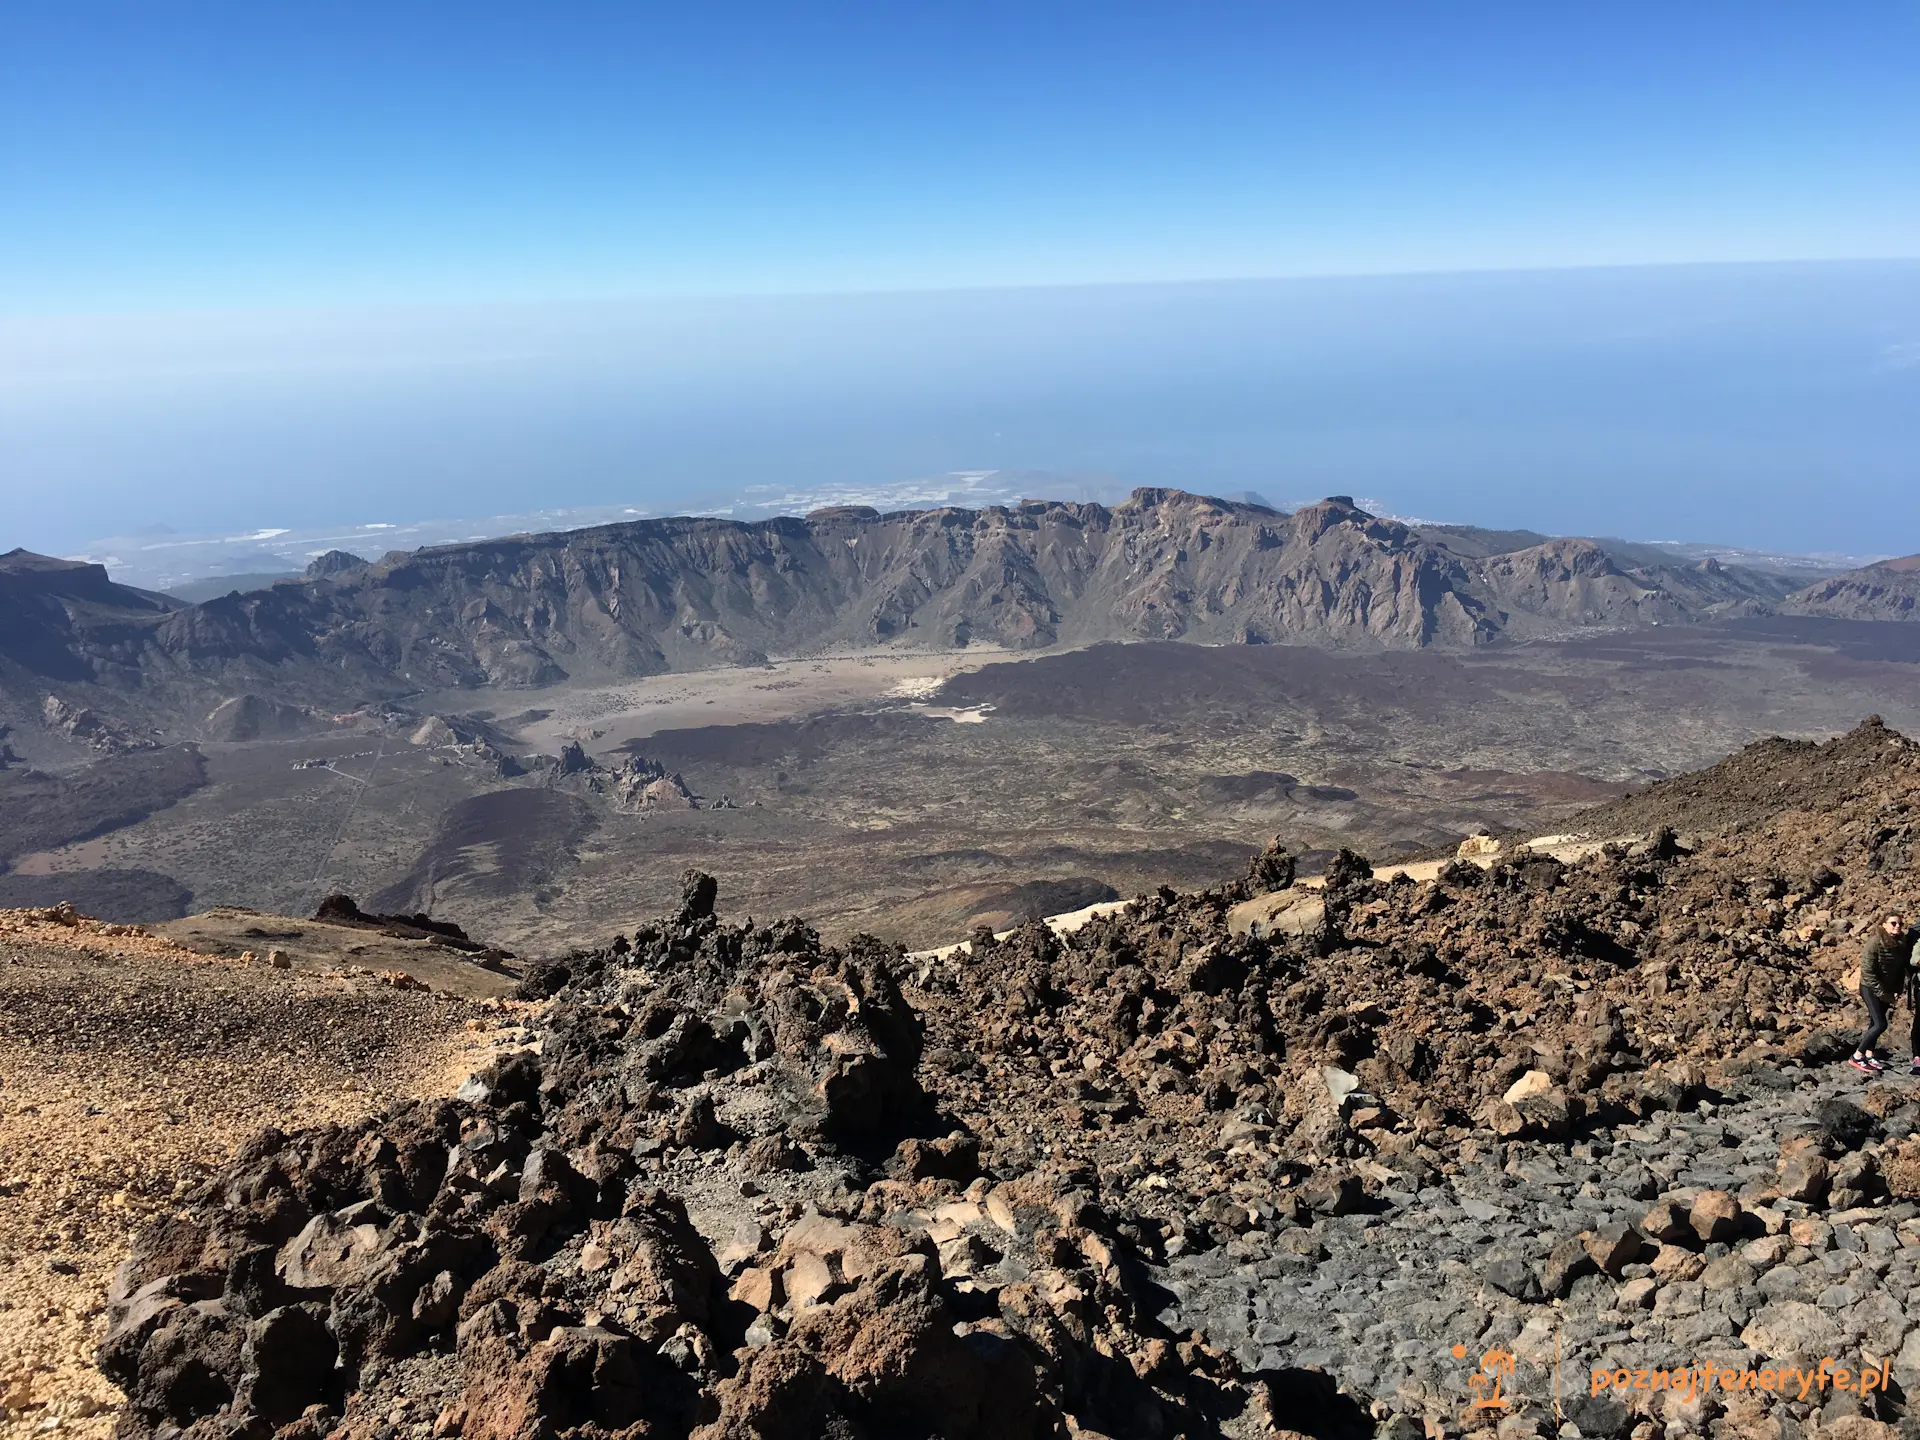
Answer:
[(130, 1067)]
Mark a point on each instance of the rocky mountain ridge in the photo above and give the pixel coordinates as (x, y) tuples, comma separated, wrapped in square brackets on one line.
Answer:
[(60, 620), (661, 595), (1889, 590)]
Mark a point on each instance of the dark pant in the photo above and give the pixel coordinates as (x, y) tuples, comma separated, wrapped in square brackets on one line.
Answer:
[(1877, 1020)]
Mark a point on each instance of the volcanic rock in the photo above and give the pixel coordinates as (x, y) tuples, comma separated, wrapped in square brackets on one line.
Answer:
[(1714, 1216), (1614, 1247), (1182, 1171), (89, 727)]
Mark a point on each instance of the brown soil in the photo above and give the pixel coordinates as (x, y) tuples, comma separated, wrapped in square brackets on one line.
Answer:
[(130, 1067)]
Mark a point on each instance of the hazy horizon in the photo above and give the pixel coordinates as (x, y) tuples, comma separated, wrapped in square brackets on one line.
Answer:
[(1771, 406)]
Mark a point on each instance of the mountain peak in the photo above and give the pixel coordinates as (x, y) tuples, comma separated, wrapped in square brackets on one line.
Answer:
[(1147, 497), (1886, 590), (22, 561), (334, 562)]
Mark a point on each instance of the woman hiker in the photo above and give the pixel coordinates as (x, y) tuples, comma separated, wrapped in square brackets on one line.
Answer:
[(1885, 967)]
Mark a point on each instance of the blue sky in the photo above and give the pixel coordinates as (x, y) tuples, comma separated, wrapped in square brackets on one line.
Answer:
[(282, 264), (192, 155)]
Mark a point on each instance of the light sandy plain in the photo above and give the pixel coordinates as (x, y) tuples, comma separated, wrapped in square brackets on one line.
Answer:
[(603, 717)]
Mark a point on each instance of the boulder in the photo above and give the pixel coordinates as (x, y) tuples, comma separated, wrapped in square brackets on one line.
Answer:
[(1534, 1082), (775, 1154), (1792, 1327), (1636, 1294), (1729, 1272), (662, 1273), (335, 1249), (1900, 1168), (698, 892), (955, 1157), (1566, 1262), (1614, 1247), (1339, 1083), (1513, 1276), (1667, 1087), (1667, 1222), (1855, 1181), (1675, 1264), (1715, 1216), (780, 1392), (1844, 1124), (576, 1379), (1534, 1107), (1907, 1362), (759, 1286), (177, 1361), (1331, 1193), (1271, 870), (1803, 1175), (1812, 1232), (287, 1364), (891, 1344)]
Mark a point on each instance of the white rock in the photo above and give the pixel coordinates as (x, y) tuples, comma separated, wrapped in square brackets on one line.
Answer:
[(1340, 1083), (1534, 1082)]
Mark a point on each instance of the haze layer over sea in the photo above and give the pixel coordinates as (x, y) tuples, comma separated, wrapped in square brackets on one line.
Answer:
[(1773, 406)]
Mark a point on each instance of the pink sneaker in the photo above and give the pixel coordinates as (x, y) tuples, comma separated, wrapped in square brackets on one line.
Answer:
[(1866, 1065)]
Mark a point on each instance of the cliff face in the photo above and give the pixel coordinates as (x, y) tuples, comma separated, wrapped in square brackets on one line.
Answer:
[(1887, 591), (660, 595), (65, 620)]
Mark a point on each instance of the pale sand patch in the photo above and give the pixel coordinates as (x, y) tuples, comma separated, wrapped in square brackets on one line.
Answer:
[(606, 716), (1063, 924), (917, 687), (86, 855), (959, 714)]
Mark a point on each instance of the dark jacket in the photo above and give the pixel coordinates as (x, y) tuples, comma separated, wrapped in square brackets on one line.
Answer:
[(1886, 963)]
